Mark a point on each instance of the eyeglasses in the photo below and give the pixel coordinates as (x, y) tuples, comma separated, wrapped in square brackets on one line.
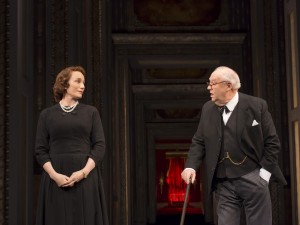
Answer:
[(213, 84)]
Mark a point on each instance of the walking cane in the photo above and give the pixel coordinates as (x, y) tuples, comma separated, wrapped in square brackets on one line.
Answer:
[(185, 201)]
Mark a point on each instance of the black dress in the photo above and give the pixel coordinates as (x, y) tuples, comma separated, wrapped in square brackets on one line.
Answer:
[(67, 140)]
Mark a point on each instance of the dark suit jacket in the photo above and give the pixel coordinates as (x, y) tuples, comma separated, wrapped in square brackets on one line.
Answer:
[(259, 142)]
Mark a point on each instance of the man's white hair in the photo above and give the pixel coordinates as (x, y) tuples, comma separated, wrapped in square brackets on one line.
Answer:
[(229, 75)]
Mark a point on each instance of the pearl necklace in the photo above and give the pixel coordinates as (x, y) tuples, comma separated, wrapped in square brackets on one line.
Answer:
[(68, 109)]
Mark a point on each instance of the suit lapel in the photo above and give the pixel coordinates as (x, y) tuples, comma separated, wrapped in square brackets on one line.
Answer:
[(243, 115), (215, 118)]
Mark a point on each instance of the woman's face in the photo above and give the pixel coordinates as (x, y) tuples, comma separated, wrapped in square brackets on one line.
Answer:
[(76, 85)]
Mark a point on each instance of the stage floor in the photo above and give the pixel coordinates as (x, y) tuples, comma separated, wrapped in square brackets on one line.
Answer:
[(174, 219)]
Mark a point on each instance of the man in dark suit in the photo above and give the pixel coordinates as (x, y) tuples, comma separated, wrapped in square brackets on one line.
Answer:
[(237, 137)]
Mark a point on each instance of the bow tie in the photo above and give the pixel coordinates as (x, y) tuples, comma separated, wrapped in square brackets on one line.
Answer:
[(223, 108)]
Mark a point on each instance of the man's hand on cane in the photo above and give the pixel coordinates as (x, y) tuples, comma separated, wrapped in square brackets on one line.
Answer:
[(187, 174)]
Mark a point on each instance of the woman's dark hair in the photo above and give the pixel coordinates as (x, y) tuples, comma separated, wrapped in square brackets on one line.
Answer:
[(62, 81)]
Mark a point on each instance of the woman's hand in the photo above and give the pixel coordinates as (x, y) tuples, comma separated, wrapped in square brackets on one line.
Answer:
[(74, 178), (80, 174), (60, 179)]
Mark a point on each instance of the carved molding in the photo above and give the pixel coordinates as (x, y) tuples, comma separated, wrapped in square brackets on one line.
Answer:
[(126, 16), (3, 111), (177, 13), (59, 38), (181, 89), (178, 38), (98, 52)]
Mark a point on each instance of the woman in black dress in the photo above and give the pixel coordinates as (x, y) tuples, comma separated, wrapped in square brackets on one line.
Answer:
[(70, 146)]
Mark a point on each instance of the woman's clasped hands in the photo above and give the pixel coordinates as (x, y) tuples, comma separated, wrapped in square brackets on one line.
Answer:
[(64, 181)]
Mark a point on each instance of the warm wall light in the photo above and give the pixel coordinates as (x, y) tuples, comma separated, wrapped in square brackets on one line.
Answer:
[(161, 182)]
